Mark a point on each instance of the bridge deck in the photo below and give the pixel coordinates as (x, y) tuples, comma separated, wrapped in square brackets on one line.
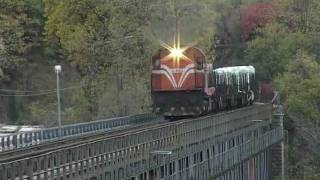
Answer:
[(216, 142)]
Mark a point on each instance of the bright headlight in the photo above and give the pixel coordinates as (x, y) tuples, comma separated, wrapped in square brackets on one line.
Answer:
[(177, 53)]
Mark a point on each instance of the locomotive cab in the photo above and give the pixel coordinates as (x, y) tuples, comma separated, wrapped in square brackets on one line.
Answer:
[(178, 83)]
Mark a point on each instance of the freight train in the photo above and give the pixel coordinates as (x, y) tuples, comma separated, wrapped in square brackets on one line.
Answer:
[(184, 84)]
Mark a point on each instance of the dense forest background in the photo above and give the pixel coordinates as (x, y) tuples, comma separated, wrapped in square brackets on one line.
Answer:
[(105, 48)]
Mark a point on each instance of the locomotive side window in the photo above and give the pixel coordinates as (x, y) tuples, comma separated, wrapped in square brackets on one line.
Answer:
[(199, 63), (156, 59), (156, 64)]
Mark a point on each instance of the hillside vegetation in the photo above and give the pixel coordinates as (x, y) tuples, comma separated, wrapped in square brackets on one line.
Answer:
[(105, 49)]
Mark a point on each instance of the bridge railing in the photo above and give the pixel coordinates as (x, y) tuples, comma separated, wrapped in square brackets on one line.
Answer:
[(25, 139), (212, 167)]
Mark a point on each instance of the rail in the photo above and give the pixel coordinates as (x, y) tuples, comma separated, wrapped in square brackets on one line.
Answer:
[(25, 139)]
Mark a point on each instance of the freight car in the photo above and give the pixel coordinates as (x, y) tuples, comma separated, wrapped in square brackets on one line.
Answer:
[(184, 84)]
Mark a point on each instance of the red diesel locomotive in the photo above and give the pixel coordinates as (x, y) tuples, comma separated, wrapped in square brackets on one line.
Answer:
[(184, 84)]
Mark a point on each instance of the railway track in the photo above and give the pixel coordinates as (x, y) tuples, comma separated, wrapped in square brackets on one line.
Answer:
[(35, 150), (48, 147), (25, 139)]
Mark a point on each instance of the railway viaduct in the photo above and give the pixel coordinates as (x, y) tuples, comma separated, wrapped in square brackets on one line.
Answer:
[(241, 144)]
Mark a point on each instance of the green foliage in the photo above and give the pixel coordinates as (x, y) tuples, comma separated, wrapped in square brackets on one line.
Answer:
[(287, 52), (300, 90), (42, 112), (194, 20), (230, 43), (20, 39), (21, 31), (271, 51), (299, 15), (13, 109), (300, 87), (73, 115), (105, 41)]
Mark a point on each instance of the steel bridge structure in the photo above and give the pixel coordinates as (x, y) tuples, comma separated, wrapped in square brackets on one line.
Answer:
[(231, 145)]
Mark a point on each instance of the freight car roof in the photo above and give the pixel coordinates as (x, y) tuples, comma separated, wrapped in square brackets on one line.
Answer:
[(239, 73), (235, 70)]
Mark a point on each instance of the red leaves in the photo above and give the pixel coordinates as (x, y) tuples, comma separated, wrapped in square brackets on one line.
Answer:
[(255, 16)]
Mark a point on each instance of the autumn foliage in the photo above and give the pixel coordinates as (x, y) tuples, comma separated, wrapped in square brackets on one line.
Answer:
[(255, 16)]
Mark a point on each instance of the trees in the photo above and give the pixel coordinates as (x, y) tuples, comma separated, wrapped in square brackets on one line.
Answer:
[(105, 41), (256, 16), (237, 20), (272, 50), (287, 53), (193, 19), (283, 37), (20, 39), (299, 15), (300, 89), (20, 34)]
